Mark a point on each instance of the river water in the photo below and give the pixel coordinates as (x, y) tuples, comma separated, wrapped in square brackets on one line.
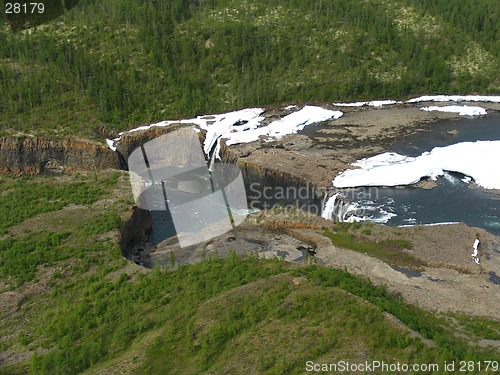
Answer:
[(452, 200)]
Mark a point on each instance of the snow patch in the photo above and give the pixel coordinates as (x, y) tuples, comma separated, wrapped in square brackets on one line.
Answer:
[(243, 126), (428, 225), (111, 144), (475, 159), (456, 98), (373, 103), (298, 120), (215, 125), (222, 125), (461, 110), (289, 124)]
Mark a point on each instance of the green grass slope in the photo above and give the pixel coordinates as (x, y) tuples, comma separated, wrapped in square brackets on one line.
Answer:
[(70, 303), (119, 63)]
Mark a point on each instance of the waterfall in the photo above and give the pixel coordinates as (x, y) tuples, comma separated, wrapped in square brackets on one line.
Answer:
[(123, 162), (338, 208), (214, 155), (328, 207)]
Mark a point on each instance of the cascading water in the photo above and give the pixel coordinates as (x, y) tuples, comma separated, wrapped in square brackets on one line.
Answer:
[(338, 208), (453, 197)]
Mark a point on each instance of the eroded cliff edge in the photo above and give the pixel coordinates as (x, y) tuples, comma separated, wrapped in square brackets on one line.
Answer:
[(33, 156)]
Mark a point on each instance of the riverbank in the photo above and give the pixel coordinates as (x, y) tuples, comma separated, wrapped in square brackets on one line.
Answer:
[(448, 276), (321, 151), (432, 269)]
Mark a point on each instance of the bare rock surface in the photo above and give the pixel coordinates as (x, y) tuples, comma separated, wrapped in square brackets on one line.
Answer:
[(438, 289), (321, 151), (33, 156)]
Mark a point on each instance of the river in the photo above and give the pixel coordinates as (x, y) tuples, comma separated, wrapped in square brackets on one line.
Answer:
[(452, 200)]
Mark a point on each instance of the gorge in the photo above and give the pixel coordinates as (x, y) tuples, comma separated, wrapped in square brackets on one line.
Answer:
[(308, 160)]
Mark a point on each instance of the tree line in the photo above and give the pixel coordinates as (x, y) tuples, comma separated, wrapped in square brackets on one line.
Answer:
[(134, 62)]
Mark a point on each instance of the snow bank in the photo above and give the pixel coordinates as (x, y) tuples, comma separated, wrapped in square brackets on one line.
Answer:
[(428, 225), (111, 144), (461, 110), (355, 104), (221, 125), (289, 124), (243, 126), (215, 125), (427, 98), (475, 159), (373, 103), (298, 120), (456, 98)]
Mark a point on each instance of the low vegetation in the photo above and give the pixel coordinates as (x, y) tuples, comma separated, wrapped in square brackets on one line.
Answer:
[(358, 237), (70, 303), (26, 197), (482, 328), (121, 63)]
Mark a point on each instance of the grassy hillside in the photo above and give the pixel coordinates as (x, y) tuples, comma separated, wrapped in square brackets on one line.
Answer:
[(69, 302), (119, 63)]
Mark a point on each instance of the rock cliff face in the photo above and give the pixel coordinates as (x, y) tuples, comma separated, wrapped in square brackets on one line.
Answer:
[(133, 231), (266, 184), (281, 185), (32, 156), (131, 141)]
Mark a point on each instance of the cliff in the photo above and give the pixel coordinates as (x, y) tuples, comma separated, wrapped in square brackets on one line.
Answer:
[(261, 172), (134, 229), (32, 156), (132, 140)]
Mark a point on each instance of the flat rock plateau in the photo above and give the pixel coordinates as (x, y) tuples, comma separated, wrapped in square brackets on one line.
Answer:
[(446, 280)]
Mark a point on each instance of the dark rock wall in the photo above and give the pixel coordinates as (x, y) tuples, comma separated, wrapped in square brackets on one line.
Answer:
[(255, 175), (32, 156), (133, 231), (262, 181)]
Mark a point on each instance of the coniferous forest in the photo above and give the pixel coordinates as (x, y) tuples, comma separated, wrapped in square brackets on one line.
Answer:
[(70, 300), (118, 63)]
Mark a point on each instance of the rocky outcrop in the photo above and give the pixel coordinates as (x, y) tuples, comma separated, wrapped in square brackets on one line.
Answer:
[(133, 231), (281, 185), (130, 141), (32, 156)]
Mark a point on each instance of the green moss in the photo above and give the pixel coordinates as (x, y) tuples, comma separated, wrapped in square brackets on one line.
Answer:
[(483, 328), (389, 250), (106, 65)]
